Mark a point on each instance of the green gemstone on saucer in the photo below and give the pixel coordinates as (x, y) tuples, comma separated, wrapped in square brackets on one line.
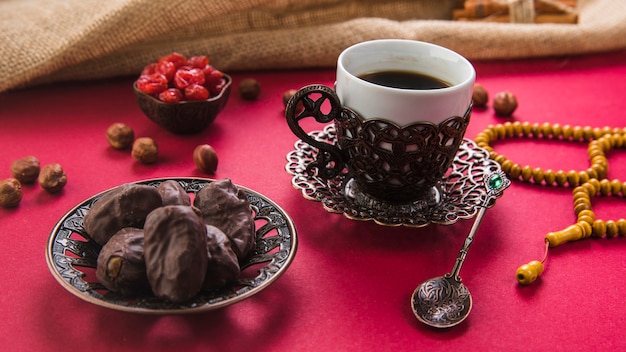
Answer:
[(495, 181)]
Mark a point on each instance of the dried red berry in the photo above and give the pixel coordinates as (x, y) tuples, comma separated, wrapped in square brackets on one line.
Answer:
[(176, 58), (152, 84), (167, 69), (185, 77), (216, 89), (198, 61), (171, 95), (196, 92), (212, 76), (149, 69)]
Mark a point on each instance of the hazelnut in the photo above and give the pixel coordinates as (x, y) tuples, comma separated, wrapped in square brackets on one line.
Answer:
[(52, 178), (10, 193), (480, 97), (120, 136), (26, 169), (287, 95), (249, 89), (145, 150), (205, 158), (504, 103)]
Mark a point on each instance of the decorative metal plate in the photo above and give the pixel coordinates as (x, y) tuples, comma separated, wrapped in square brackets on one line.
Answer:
[(72, 256), (459, 196)]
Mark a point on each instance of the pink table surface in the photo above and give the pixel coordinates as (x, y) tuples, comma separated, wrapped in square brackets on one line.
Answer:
[(349, 285)]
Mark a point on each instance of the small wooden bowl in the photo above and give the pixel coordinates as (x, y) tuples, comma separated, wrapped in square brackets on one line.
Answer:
[(186, 117)]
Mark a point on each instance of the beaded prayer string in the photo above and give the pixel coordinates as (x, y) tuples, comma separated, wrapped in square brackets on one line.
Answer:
[(586, 183)]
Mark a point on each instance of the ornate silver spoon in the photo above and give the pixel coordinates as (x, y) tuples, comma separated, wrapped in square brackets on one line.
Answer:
[(444, 301)]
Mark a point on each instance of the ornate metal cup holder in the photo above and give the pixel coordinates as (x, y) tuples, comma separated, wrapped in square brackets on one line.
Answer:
[(460, 194)]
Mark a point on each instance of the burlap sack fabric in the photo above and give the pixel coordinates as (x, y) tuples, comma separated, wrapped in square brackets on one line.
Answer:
[(53, 41)]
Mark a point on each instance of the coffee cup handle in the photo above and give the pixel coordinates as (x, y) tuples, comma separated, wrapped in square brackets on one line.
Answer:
[(307, 102)]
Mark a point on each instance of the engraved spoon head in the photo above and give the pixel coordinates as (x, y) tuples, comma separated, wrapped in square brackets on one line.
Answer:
[(441, 302)]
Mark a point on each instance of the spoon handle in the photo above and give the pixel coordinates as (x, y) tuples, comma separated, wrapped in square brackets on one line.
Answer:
[(495, 183)]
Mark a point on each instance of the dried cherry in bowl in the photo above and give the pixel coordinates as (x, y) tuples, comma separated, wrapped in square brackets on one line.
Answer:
[(185, 117)]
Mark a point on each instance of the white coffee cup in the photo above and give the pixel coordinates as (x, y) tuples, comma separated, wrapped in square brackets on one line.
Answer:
[(404, 106), (396, 143)]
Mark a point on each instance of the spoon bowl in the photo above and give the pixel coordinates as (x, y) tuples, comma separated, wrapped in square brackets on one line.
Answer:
[(441, 302)]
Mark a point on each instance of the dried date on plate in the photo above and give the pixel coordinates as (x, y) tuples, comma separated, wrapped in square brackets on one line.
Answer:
[(125, 206), (176, 252), (226, 207), (121, 264), (173, 193), (223, 265)]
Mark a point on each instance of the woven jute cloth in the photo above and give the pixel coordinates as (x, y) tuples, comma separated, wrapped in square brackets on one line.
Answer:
[(53, 41)]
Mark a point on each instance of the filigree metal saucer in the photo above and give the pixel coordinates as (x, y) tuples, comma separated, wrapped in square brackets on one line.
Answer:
[(72, 256), (459, 196)]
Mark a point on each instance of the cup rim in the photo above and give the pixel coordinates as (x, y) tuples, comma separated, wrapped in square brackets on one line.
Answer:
[(461, 85)]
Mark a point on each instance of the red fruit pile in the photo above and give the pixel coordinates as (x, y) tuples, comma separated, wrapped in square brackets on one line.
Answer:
[(174, 78)]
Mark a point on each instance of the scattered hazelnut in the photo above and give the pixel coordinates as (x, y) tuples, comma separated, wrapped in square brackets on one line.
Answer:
[(287, 95), (480, 97), (26, 169), (120, 136), (249, 89), (52, 178), (145, 150), (205, 158), (10, 193), (504, 103)]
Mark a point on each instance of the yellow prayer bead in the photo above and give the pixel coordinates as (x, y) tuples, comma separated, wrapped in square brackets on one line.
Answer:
[(584, 177), (621, 227), (561, 178), (605, 187), (535, 129), (598, 228), (587, 133), (581, 200), (499, 158), (611, 228), (616, 187), (546, 130), (567, 132), (510, 131), (557, 130), (582, 206), (528, 273), (594, 150), (595, 183), (516, 171), (526, 128), (500, 131), (549, 177), (527, 173), (538, 175), (506, 166), (587, 216), (578, 133), (572, 178)]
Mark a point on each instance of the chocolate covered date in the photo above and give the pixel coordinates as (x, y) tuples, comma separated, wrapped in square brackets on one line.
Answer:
[(121, 264), (226, 207), (223, 265), (175, 246), (173, 193), (125, 206)]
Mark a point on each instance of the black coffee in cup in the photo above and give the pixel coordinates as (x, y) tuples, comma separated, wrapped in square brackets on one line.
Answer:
[(404, 80)]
